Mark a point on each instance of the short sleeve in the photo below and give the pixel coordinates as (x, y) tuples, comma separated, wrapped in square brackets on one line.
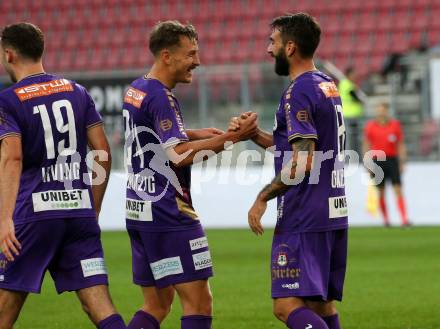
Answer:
[(8, 123), (93, 118), (167, 119), (299, 119)]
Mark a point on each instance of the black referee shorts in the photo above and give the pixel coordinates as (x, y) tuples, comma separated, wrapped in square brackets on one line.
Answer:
[(391, 171)]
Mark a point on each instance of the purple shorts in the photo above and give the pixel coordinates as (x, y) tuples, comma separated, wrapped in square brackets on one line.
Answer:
[(69, 248), (162, 259), (309, 265)]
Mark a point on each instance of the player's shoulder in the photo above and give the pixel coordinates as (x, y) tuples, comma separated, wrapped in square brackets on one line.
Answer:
[(315, 84)]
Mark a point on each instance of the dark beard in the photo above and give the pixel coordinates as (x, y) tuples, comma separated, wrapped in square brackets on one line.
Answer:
[(281, 65)]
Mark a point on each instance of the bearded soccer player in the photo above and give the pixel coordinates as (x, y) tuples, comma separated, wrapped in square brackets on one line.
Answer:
[(48, 213), (309, 246), (169, 247)]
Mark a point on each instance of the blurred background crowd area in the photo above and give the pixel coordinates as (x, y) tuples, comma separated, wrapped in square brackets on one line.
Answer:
[(391, 46)]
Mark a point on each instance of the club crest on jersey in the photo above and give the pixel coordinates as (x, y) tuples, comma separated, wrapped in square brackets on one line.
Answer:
[(166, 124), (302, 116), (282, 259)]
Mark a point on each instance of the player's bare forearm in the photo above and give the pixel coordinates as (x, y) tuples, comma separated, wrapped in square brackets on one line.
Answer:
[(402, 152), (184, 154), (10, 172), (204, 133), (101, 165), (302, 150), (98, 190), (263, 139)]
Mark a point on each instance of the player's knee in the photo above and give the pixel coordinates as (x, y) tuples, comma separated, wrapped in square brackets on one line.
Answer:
[(280, 312), (158, 311)]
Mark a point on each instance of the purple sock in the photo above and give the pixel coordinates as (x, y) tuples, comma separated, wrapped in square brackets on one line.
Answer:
[(304, 318), (114, 321), (196, 322), (143, 320), (332, 321)]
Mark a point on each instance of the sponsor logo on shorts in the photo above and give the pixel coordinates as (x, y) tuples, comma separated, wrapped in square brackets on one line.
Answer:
[(165, 267), (166, 124), (198, 243), (93, 266), (138, 210), (43, 89), (291, 286), (285, 273), (337, 207), (61, 200), (202, 260)]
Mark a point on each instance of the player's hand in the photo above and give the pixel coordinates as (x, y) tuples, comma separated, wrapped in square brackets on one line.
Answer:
[(8, 242), (234, 123), (248, 126), (254, 216)]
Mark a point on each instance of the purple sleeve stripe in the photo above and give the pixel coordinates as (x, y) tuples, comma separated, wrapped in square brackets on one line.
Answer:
[(9, 135), (99, 123), (298, 135)]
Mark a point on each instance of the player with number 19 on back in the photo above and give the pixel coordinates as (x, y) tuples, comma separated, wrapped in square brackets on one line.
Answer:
[(309, 246), (169, 248), (48, 212)]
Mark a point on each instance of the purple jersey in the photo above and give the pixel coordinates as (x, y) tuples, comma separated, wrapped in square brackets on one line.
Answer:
[(51, 115), (311, 108), (158, 193)]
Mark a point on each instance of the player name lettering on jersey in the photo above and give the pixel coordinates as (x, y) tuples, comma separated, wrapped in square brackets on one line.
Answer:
[(138, 210), (337, 207), (338, 178), (43, 89), (61, 172), (138, 182), (61, 200)]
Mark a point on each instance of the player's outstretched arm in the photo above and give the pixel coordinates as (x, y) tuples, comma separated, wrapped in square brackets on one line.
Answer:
[(300, 163), (185, 154), (102, 163), (204, 133), (10, 172), (262, 138)]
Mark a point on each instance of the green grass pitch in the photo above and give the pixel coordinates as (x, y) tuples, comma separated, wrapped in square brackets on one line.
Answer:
[(393, 282)]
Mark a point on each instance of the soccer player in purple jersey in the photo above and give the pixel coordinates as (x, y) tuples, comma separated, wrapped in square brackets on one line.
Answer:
[(309, 247), (48, 213), (169, 247)]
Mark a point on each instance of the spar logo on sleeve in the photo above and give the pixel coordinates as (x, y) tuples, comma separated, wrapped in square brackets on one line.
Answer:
[(93, 266), (202, 260), (166, 267)]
